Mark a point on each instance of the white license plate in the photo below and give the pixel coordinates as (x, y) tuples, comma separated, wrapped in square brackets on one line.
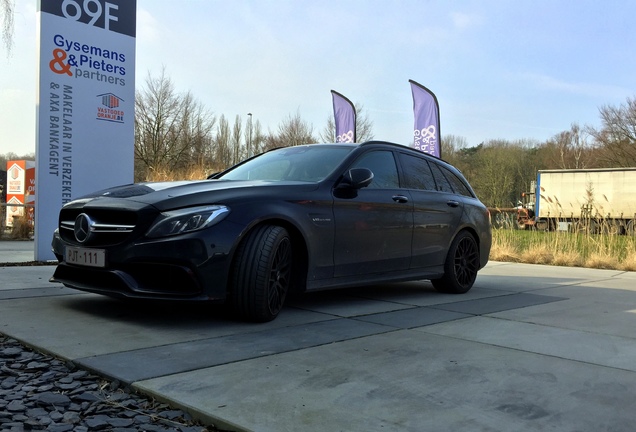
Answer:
[(86, 257)]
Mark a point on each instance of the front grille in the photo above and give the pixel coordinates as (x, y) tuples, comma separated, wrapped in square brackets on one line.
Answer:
[(141, 280), (164, 278), (108, 226)]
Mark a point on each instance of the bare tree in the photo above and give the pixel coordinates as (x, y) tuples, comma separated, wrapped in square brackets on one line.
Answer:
[(4, 158), (498, 170), (238, 152), (328, 134), (156, 118), (497, 179), (292, 131), (568, 149), (198, 125), (257, 139), (7, 10), (364, 127), (451, 146), (617, 136), (172, 131), (222, 147)]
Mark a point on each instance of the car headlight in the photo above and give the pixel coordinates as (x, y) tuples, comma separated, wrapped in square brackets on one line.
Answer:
[(187, 220)]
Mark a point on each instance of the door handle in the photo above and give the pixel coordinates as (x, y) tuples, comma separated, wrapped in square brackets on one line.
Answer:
[(400, 198), (452, 203)]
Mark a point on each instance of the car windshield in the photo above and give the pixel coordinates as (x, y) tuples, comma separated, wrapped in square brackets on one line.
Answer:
[(301, 163)]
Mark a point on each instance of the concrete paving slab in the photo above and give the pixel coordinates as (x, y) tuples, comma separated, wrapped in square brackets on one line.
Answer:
[(17, 251), (342, 304), (21, 277), (171, 359), (419, 293), (564, 274), (528, 278), (498, 304), (423, 316), (85, 325), (604, 350), (414, 317), (602, 307), (29, 281), (6, 294), (408, 380)]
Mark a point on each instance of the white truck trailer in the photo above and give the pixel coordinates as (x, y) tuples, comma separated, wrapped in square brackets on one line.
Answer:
[(591, 200)]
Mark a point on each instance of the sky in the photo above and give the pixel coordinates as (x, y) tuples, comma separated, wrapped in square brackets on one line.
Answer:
[(501, 69)]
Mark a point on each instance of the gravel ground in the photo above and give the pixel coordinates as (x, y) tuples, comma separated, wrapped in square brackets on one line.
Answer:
[(39, 392)]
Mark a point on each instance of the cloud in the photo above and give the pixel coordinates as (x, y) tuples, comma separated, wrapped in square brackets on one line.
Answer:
[(147, 27), (462, 21), (545, 82)]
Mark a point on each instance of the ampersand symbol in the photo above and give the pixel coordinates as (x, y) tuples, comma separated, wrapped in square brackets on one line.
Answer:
[(57, 64), (428, 133), (345, 137)]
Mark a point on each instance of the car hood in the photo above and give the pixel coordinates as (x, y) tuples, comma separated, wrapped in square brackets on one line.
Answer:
[(175, 194)]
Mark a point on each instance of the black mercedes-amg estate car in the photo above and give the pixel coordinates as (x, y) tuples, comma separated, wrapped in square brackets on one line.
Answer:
[(298, 218)]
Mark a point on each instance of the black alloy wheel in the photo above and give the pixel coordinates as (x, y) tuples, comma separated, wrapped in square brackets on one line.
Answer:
[(262, 273), (461, 266)]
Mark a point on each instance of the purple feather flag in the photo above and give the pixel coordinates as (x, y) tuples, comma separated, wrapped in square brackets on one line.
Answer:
[(426, 132), (345, 118)]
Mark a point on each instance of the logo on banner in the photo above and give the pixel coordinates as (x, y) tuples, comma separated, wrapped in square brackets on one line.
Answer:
[(15, 183), (15, 209), (15, 172), (108, 108), (85, 61), (425, 139), (57, 65), (345, 137)]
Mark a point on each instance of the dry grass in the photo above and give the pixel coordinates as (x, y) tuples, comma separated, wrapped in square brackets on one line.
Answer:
[(503, 249), (567, 259), (539, 254), (602, 251), (629, 263), (601, 260), (22, 228), (166, 174)]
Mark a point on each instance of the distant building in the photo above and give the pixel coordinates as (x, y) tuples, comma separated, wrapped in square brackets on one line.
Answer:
[(19, 190), (3, 184)]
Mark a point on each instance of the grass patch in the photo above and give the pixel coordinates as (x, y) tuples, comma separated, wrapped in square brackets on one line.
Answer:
[(603, 251), (167, 174)]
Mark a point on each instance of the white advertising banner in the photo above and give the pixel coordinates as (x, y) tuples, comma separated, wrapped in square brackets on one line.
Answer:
[(85, 105)]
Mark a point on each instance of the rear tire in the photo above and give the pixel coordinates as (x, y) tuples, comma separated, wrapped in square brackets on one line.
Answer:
[(460, 267), (261, 274)]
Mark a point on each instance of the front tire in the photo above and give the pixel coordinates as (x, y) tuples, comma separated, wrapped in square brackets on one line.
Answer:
[(262, 273), (460, 267)]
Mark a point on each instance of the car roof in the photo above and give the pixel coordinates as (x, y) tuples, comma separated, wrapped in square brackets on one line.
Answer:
[(379, 143)]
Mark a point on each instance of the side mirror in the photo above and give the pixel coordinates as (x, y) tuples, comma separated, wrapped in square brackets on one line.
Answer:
[(356, 178)]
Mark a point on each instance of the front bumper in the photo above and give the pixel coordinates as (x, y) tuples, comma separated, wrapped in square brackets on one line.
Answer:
[(189, 267)]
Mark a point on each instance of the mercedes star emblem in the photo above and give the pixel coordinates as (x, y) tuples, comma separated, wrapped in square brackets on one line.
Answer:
[(82, 227)]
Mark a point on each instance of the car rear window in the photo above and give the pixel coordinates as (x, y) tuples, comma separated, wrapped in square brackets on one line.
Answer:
[(458, 185), (417, 173)]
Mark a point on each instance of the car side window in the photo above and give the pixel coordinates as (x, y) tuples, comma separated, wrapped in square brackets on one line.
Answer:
[(417, 173), (382, 164), (458, 185), (443, 185)]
